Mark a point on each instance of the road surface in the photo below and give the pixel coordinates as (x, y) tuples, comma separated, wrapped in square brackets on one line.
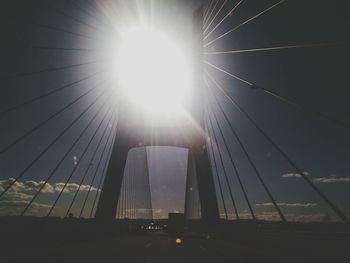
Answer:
[(150, 248)]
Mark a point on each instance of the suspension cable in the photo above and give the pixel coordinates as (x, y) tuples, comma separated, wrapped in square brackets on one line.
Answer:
[(244, 23), (7, 110), (65, 155), (133, 192), (216, 170), (325, 44), (211, 12), (108, 156), (223, 166), (286, 157), (249, 159), (62, 30), (223, 19), (97, 168), (126, 186), (62, 13), (234, 165), (207, 9), (42, 123), (92, 157), (217, 13), (283, 99), (48, 147), (77, 164), (45, 70), (148, 185), (65, 48), (83, 10)]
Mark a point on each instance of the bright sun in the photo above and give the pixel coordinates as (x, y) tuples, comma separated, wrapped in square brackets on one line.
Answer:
[(153, 71)]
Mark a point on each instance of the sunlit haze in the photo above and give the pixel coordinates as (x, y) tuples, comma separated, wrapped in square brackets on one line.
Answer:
[(153, 72)]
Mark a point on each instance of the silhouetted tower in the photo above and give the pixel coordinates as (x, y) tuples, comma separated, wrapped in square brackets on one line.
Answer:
[(133, 132)]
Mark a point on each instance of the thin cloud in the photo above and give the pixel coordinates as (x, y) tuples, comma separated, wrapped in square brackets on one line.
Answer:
[(294, 217), (332, 179), (22, 192), (15, 207), (31, 186), (322, 180), (289, 204), (295, 175), (20, 204)]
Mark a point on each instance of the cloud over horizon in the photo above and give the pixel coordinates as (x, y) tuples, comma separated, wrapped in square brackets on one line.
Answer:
[(21, 192), (30, 186), (289, 204), (332, 179)]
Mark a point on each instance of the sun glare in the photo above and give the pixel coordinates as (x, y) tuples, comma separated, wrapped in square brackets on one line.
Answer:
[(152, 71)]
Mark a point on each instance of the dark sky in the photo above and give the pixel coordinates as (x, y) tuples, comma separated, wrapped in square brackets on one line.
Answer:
[(39, 37), (313, 77)]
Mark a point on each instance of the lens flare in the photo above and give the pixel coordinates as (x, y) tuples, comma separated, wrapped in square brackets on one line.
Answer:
[(152, 71)]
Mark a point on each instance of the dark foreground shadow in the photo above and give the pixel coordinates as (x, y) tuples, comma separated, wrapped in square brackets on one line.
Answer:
[(31, 239)]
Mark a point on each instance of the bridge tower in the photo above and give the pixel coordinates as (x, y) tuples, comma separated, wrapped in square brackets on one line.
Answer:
[(133, 132)]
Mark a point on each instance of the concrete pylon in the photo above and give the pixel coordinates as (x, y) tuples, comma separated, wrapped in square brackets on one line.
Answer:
[(133, 132)]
